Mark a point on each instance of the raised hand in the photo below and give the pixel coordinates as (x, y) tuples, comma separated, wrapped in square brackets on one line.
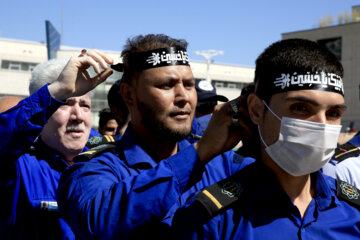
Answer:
[(74, 80)]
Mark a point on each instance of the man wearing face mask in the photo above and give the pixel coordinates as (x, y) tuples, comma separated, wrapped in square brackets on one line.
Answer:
[(297, 107)]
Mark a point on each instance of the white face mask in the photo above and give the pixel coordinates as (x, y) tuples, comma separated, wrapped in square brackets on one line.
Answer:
[(303, 147)]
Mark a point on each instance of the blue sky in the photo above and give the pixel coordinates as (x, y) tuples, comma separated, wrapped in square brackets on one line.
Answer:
[(242, 29)]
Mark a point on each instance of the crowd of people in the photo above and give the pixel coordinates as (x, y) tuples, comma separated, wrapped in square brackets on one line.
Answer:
[(165, 162)]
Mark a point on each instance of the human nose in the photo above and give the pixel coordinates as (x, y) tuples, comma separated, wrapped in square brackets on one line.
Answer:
[(76, 113), (319, 117), (113, 132), (181, 94)]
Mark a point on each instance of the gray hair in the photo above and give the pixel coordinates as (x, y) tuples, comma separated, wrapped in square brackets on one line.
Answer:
[(46, 72)]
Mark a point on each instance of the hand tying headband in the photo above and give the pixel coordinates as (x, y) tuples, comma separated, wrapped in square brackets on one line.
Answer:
[(156, 58), (308, 81)]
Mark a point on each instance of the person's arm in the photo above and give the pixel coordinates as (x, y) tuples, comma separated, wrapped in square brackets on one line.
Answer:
[(191, 222), (222, 134), (22, 124), (104, 199)]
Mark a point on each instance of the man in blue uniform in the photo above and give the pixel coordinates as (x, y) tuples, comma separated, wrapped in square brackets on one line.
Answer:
[(40, 137), (126, 192), (345, 164), (297, 107), (107, 122)]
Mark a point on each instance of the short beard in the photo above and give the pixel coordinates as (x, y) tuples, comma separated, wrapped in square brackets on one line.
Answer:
[(159, 129)]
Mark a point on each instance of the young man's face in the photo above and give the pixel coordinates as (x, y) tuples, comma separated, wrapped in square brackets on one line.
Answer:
[(310, 105), (68, 129), (165, 101), (109, 128)]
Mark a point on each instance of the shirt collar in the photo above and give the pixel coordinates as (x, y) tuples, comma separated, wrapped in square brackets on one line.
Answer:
[(324, 196), (136, 155)]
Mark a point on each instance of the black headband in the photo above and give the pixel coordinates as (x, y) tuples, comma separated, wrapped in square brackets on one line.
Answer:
[(156, 58), (308, 81)]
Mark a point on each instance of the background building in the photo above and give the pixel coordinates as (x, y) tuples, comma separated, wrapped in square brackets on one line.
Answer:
[(18, 58)]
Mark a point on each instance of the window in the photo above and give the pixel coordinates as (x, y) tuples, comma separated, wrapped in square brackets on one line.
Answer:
[(333, 45), (226, 84), (219, 84), (14, 66), (17, 66), (231, 85)]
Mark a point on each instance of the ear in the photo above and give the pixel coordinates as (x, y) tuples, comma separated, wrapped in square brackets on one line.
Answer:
[(256, 108), (127, 92)]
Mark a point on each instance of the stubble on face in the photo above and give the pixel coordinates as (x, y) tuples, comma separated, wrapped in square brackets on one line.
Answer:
[(161, 128)]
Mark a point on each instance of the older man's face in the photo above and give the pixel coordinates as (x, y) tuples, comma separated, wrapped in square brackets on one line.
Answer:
[(68, 129)]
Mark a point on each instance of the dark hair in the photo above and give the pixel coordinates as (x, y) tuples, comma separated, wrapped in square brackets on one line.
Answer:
[(145, 43), (104, 116), (292, 55), (116, 103), (206, 107)]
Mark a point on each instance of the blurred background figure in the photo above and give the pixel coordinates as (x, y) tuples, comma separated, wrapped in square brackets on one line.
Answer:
[(107, 122), (207, 100), (118, 107), (8, 102)]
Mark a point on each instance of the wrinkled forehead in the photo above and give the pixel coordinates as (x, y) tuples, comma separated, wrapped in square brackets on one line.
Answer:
[(81, 99)]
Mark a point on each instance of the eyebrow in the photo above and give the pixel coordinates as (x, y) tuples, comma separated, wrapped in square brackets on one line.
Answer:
[(81, 101), (314, 103), (84, 101)]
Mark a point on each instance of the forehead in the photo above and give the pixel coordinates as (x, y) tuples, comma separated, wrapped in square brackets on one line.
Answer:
[(84, 98), (176, 72), (316, 97)]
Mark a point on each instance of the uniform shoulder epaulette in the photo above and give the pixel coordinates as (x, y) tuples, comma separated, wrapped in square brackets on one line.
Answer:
[(99, 140), (345, 151), (93, 152), (348, 193), (220, 196)]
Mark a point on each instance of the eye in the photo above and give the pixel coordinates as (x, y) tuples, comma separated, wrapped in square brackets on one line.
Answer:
[(86, 107), (299, 108), (189, 84), (335, 114), (165, 85)]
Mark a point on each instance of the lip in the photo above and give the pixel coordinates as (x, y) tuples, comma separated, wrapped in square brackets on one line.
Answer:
[(75, 133), (181, 115)]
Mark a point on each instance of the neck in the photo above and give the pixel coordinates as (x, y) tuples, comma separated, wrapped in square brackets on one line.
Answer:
[(299, 189), (156, 146), (69, 159)]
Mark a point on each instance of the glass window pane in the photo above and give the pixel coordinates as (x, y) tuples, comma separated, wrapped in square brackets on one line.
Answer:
[(5, 64)]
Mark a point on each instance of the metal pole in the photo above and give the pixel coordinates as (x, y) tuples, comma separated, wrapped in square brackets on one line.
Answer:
[(207, 55)]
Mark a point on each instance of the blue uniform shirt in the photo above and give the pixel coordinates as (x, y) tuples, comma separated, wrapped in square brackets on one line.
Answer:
[(355, 140), (126, 193), (202, 123), (264, 211), (29, 177), (348, 168)]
